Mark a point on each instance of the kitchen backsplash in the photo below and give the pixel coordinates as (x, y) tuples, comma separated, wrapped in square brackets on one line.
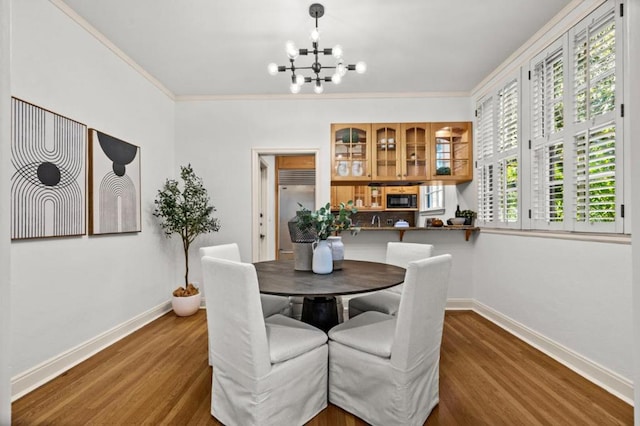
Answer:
[(387, 218)]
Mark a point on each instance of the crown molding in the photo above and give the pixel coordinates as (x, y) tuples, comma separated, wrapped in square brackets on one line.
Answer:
[(324, 96)]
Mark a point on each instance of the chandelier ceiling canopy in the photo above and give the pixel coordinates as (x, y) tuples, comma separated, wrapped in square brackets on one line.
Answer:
[(314, 71)]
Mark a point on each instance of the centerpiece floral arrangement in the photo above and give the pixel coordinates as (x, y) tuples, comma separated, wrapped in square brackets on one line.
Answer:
[(325, 223)]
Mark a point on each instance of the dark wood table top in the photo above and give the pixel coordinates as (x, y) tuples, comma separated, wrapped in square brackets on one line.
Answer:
[(279, 277)]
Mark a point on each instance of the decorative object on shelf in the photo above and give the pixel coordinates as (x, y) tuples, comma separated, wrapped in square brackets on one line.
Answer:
[(456, 221), (324, 223), (337, 251), (114, 185), (316, 11), (443, 171), (469, 216), (350, 136), (437, 223), (357, 169), (185, 211), (391, 143), (48, 177), (343, 168)]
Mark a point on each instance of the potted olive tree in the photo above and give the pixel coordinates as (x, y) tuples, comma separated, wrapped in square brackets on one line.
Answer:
[(184, 209)]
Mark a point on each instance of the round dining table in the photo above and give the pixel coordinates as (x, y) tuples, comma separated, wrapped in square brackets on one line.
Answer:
[(319, 290)]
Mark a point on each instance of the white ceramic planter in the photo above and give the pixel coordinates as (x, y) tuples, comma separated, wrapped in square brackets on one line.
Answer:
[(185, 306)]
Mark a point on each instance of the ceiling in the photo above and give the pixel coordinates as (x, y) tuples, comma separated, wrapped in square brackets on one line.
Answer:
[(222, 48)]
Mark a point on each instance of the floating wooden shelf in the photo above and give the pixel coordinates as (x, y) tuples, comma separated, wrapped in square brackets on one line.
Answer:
[(468, 230)]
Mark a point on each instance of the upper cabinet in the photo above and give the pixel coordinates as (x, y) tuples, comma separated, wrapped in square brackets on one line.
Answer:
[(452, 152), (388, 152), (416, 155), (351, 152)]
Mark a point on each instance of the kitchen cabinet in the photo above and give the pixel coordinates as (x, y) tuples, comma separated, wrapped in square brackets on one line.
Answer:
[(452, 152), (351, 152), (400, 152), (390, 152), (386, 152), (402, 189), (364, 197), (416, 155)]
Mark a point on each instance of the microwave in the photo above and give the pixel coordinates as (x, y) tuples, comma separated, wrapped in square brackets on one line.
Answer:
[(402, 201)]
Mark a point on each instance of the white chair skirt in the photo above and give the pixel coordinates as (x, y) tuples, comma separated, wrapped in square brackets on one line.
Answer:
[(380, 394), (238, 400)]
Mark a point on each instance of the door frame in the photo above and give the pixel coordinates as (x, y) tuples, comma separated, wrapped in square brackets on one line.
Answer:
[(256, 189)]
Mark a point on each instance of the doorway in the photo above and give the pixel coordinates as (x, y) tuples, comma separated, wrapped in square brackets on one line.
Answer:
[(264, 198)]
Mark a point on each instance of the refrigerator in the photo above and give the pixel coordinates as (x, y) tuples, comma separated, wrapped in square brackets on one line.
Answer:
[(288, 198)]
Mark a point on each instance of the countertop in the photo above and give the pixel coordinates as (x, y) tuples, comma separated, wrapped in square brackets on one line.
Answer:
[(467, 228)]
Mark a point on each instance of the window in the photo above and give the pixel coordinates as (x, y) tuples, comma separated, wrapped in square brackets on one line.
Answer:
[(497, 139), (432, 198), (548, 75), (571, 167)]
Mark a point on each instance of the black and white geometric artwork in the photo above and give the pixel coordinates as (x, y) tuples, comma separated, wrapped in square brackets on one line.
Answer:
[(48, 154), (114, 185)]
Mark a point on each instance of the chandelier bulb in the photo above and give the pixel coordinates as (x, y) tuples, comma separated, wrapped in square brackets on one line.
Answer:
[(315, 35), (299, 79), (361, 67), (294, 88), (336, 78), (318, 88), (337, 51), (341, 69), (272, 68), (292, 51)]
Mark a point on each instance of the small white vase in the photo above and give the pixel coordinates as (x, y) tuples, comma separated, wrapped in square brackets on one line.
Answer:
[(185, 306), (337, 251), (322, 257)]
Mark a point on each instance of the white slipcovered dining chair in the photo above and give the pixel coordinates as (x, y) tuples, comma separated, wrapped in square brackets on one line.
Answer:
[(387, 301), (271, 304), (265, 371), (385, 368)]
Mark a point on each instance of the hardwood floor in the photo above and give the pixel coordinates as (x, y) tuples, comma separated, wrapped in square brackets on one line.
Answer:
[(160, 376)]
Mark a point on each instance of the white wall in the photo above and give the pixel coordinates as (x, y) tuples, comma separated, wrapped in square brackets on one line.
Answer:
[(69, 290), (576, 293), (216, 137), (5, 252)]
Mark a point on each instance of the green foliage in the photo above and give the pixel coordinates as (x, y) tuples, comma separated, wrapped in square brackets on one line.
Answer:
[(324, 222), (468, 214), (184, 209)]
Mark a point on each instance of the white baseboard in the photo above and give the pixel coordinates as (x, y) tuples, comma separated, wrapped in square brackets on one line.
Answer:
[(592, 371), (29, 380), (459, 305)]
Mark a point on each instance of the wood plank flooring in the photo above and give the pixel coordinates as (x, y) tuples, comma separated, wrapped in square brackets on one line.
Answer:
[(160, 376)]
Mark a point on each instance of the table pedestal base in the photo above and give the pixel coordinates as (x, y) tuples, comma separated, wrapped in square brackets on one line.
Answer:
[(321, 312)]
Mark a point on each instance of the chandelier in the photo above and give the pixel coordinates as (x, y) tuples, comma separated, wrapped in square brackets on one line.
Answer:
[(339, 70)]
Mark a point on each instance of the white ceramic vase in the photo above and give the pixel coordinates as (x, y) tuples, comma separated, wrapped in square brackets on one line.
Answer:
[(337, 252), (185, 306), (322, 257)]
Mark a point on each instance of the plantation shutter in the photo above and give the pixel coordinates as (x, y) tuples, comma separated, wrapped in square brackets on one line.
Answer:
[(507, 153), (484, 142), (548, 133), (595, 149)]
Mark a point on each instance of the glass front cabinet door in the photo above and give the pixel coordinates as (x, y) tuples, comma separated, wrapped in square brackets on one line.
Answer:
[(452, 152), (351, 152), (416, 155), (386, 152)]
